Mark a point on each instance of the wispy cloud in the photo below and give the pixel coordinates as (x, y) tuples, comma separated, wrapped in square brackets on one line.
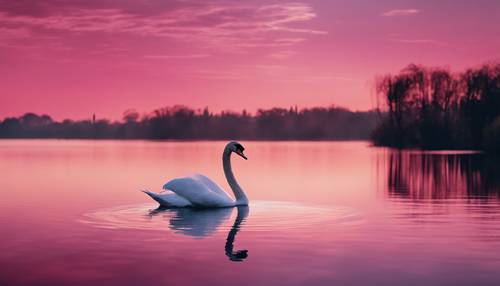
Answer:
[(419, 41), (168, 57), (220, 25), (272, 73), (282, 55), (331, 78), (220, 75), (400, 12)]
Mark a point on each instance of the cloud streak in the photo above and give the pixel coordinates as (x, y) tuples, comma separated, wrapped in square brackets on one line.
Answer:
[(282, 55), (225, 26), (169, 57), (419, 42), (400, 12)]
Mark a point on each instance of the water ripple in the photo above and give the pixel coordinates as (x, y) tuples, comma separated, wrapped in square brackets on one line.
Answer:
[(259, 216)]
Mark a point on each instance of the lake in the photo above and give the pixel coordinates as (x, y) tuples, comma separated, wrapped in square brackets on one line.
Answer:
[(320, 213)]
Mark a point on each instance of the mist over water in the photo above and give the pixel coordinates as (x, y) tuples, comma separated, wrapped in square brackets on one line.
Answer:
[(320, 213)]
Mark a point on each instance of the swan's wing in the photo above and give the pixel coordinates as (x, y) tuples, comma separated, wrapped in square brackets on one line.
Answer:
[(168, 199), (197, 193), (209, 183)]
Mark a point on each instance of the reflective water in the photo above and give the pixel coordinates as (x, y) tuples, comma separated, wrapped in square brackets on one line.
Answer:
[(321, 213)]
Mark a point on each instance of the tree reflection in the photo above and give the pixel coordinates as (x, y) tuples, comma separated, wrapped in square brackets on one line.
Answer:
[(421, 175)]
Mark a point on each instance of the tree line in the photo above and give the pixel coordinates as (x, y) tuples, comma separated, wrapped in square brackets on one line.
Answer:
[(184, 123), (433, 108)]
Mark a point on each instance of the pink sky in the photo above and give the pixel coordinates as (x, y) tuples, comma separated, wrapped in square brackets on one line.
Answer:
[(75, 58)]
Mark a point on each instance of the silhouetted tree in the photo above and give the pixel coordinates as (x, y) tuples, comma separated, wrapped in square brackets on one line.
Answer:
[(432, 108)]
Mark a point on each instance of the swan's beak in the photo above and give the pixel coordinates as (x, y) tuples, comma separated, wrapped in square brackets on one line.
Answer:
[(241, 154)]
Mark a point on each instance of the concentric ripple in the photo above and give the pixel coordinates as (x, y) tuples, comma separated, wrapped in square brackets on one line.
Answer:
[(259, 216)]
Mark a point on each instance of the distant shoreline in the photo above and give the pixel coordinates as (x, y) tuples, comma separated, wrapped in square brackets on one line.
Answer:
[(183, 123)]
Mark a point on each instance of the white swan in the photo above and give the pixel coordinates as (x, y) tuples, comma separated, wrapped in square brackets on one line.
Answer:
[(199, 191)]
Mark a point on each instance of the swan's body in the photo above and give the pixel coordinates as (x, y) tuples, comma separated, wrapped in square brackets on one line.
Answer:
[(199, 191)]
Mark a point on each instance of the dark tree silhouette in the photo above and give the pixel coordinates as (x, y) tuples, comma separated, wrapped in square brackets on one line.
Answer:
[(181, 122), (432, 108)]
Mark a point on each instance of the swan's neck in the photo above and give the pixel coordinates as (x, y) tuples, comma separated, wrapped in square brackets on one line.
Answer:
[(239, 195)]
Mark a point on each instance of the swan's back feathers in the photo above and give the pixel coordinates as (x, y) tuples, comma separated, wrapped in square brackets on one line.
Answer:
[(199, 191), (209, 183)]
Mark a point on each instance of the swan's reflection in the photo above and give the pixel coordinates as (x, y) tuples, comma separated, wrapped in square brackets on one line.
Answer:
[(200, 223), (238, 255)]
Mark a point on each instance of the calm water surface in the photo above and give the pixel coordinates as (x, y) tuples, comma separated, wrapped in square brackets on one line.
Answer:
[(321, 213)]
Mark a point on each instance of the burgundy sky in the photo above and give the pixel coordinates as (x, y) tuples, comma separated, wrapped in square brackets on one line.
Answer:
[(75, 58)]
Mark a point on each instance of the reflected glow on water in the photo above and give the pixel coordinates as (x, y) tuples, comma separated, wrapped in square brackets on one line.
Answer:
[(321, 213)]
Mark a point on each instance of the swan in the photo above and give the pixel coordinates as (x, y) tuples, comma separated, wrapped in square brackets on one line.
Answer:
[(199, 191)]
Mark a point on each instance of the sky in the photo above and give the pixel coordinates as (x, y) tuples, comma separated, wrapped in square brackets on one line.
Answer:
[(71, 59)]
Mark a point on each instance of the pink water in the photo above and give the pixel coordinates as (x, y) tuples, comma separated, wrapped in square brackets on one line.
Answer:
[(321, 213)]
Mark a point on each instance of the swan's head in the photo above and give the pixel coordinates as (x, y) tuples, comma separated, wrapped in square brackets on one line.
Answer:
[(237, 148)]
